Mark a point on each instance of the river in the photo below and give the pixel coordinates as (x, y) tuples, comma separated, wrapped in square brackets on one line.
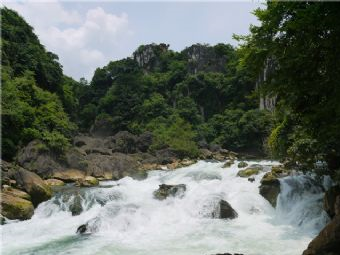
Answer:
[(126, 219)]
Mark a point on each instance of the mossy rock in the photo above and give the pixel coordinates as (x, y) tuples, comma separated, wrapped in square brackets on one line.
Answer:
[(16, 207), (245, 173), (169, 190), (242, 164), (33, 185), (88, 181), (54, 182), (228, 163), (16, 193)]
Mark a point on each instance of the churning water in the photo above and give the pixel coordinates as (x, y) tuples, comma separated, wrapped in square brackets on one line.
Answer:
[(126, 219)]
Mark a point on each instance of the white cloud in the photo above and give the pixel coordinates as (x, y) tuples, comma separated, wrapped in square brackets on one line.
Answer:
[(83, 42)]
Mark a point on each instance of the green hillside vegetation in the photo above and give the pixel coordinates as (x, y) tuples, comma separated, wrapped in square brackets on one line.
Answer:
[(201, 95)]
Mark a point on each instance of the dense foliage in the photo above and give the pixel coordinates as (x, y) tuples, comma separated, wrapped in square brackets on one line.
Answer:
[(197, 96), (34, 90), (299, 45)]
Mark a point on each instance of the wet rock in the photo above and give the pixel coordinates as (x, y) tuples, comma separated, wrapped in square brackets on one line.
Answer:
[(251, 179), (88, 181), (228, 163), (327, 241), (76, 207), (270, 184), (181, 163), (229, 254), (337, 205), (252, 170), (69, 175), (89, 227), (81, 229), (329, 200), (224, 211), (13, 207), (165, 191), (33, 185), (242, 164), (54, 182)]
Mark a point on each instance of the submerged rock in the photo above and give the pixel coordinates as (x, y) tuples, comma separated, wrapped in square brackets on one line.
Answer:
[(228, 163), (252, 170), (328, 240), (251, 179), (329, 200), (242, 164), (165, 190), (89, 227), (13, 207), (224, 211), (88, 181)]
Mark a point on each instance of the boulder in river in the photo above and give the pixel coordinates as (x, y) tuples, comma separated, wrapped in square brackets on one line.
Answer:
[(228, 163), (242, 164), (87, 181), (329, 200), (327, 241), (165, 190), (33, 185), (224, 211), (54, 182), (13, 207), (69, 175), (252, 170), (15, 192), (270, 184), (89, 227)]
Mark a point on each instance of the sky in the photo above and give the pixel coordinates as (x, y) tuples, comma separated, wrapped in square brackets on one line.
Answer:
[(86, 35)]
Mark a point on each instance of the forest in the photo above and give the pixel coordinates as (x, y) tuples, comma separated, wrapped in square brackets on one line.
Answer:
[(202, 95)]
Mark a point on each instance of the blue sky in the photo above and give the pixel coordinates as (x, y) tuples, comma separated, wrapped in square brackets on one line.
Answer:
[(86, 35)]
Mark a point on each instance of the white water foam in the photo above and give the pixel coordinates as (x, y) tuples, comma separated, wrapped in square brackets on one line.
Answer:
[(128, 220)]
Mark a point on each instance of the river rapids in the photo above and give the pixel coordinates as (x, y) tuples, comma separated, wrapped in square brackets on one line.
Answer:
[(126, 219)]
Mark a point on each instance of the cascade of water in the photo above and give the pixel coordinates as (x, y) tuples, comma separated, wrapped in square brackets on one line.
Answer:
[(125, 218)]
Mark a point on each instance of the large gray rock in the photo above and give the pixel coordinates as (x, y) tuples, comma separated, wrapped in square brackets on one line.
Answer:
[(270, 184), (165, 191), (144, 141), (327, 241), (124, 142), (224, 211), (115, 166), (13, 207), (38, 158), (33, 185), (329, 200), (102, 127)]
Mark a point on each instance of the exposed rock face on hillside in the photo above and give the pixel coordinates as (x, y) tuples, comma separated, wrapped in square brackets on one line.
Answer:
[(108, 157), (204, 58), (147, 56)]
